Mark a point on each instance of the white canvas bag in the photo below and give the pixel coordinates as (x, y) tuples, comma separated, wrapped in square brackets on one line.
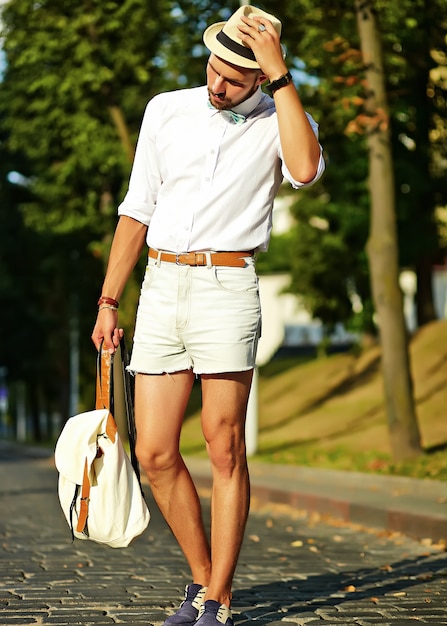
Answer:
[(99, 490)]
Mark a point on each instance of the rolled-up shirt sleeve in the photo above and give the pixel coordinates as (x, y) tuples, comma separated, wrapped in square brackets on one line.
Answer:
[(145, 179), (296, 184)]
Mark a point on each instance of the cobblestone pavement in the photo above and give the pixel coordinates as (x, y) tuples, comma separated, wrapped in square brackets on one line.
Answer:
[(293, 569)]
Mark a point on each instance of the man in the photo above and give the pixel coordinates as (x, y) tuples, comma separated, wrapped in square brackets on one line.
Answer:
[(208, 164)]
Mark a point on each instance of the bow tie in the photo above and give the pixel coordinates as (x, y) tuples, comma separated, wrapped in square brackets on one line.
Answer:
[(229, 115)]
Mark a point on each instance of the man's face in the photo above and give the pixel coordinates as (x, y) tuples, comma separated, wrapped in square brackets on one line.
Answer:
[(228, 84)]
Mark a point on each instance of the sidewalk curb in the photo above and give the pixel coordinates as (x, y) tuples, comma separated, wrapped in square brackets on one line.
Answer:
[(416, 508)]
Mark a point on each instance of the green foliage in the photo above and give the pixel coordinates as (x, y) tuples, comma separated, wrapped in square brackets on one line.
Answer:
[(329, 266), (77, 79), (70, 70), (40, 276), (278, 257)]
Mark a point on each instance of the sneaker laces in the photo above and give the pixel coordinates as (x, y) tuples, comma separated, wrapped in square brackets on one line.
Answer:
[(189, 608), (221, 612), (197, 600)]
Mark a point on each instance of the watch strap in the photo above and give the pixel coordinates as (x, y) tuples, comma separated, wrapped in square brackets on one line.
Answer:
[(282, 81)]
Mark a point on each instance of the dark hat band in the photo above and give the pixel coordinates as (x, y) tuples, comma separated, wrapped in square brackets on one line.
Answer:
[(235, 47)]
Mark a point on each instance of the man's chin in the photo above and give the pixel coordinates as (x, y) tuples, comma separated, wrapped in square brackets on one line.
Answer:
[(221, 105)]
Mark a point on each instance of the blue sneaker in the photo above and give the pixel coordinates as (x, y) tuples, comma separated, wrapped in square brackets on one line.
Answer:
[(189, 608), (214, 614)]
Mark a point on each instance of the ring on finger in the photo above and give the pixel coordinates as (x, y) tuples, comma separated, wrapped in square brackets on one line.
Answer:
[(261, 28)]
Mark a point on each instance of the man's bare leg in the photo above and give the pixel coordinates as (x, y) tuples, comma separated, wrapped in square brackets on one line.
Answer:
[(160, 403), (225, 398)]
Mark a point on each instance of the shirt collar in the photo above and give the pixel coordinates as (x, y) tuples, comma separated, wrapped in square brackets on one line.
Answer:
[(249, 105), (246, 107)]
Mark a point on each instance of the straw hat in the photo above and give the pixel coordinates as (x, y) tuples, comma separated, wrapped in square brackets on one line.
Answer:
[(223, 39)]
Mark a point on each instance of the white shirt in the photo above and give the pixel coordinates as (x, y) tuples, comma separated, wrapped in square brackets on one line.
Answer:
[(201, 182)]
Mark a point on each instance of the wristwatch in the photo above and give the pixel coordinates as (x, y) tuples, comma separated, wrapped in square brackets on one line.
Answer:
[(282, 81)]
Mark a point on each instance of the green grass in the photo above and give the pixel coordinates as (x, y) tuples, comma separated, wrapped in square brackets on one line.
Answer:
[(330, 412), (432, 464)]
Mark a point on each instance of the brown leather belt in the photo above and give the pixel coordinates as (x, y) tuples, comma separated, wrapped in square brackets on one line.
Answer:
[(228, 259)]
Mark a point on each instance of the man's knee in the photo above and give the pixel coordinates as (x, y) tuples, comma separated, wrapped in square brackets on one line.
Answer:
[(226, 451), (155, 461)]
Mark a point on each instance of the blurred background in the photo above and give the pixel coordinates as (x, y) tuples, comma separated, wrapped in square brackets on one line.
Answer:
[(75, 77)]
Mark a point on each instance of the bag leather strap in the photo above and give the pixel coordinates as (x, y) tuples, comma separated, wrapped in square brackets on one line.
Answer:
[(104, 400), (104, 380), (85, 495)]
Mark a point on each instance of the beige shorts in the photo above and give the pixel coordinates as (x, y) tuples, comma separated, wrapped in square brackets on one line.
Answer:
[(207, 319)]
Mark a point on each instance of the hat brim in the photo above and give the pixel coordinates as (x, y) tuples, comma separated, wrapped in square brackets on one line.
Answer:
[(211, 42)]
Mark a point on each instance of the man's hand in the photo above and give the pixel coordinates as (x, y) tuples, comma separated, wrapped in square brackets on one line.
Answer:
[(106, 329), (265, 44), (259, 34)]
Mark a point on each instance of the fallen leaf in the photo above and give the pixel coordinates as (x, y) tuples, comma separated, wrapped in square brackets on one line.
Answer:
[(399, 594)]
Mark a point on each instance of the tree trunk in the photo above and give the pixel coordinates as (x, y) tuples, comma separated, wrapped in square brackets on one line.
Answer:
[(382, 248)]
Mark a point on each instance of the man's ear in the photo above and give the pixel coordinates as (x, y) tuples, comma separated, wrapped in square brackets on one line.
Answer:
[(262, 78)]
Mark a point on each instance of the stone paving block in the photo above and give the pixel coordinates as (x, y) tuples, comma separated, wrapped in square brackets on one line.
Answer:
[(20, 620), (292, 571), (331, 616), (77, 619), (312, 622)]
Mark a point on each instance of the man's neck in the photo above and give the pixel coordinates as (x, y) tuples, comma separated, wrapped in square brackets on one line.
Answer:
[(247, 106)]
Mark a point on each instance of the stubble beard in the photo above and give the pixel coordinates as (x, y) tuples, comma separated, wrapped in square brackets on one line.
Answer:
[(227, 104)]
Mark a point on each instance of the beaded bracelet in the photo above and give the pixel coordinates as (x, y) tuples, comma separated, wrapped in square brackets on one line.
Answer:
[(108, 306), (107, 300)]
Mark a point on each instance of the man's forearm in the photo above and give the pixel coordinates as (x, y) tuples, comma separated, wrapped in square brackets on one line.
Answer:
[(128, 242), (300, 147)]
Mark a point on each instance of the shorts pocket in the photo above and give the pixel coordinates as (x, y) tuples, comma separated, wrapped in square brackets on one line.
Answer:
[(148, 278), (237, 279)]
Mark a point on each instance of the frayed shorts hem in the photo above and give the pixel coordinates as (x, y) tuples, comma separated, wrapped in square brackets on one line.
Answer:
[(197, 372)]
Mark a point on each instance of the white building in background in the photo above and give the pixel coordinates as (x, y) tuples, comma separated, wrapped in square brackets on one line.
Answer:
[(285, 321), (440, 290), (408, 285)]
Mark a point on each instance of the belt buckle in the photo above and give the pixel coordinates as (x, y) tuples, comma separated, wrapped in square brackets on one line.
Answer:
[(177, 261)]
